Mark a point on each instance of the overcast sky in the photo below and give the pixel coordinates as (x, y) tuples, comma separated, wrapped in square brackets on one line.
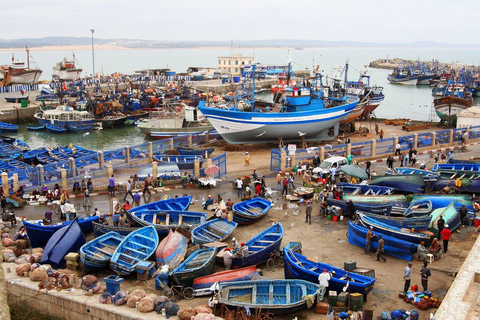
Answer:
[(382, 21)]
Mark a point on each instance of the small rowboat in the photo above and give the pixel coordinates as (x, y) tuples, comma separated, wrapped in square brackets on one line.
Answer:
[(261, 246), (213, 230), (198, 151), (101, 229), (417, 223), (137, 246), (172, 249), (250, 211), (36, 128), (376, 208), (97, 253), (8, 127), (203, 285), (351, 188), (176, 204), (65, 240), (275, 296), (55, 129), (200, 263), (16, 99)]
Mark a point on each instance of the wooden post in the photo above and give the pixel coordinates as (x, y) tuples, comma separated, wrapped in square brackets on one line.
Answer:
[(450, 140), (322, 153), (293, 161), (189, 140), (154, 170), (41, 174), (127, 155), (15, 182), (349, 148), (109, 171), (207, 136), (415, 141), (197, 168), (283, 160), (73, 167), (468, 134), (150, 151), (434, 137), (374, 147), (171, 143), (63, 172), (101, 162), (395, 142), (5, 185)]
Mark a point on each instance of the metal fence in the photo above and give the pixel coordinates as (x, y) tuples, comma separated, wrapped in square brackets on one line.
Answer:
[(221, 162), (275, 156)]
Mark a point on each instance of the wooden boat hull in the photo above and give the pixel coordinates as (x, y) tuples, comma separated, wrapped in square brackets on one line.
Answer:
[(448, 107), (261, 246), (178, 204), (365, 189), (392, 246), (394, 200), (55, 129), (112, 122), (200, 263), (96, 254), (137, 246), (250, 211), (298, 266), (213, 230), (35, 128), (450, 215), (16, 99), (67, 239), (413, 183), (101, 229), (202, 285), (274, 296), (427, 175), (8, 127), (441, 201), (417, 223), (172, 249), (468, 185), (375, 208), (39, 234), (398, 233), (195, 151)]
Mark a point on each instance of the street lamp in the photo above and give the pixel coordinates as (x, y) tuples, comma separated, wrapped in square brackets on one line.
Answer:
[(93, 54)]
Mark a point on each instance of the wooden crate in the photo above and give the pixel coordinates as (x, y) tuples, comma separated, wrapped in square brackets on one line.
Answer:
[(321, 308)]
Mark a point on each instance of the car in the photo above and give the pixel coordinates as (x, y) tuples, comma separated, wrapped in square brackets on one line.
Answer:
[(328, 164)]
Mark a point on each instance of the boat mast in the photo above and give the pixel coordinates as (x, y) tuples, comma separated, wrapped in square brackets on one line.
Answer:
[(28, 57)]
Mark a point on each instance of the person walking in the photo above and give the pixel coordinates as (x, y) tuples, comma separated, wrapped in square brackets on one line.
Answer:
[(146, 185), (370, 235), (86, 200), (397, 149), (291, 185), (381, 249), (440, 224), (128, 191), (279, 181), (247, 159), (323, 280), (376, 129), (381, 134), (463, 215), (308, 212), (136, 198), (111, 185), (285, 186), (425, 273), (407, 276), (239, 185), (4, 205), (446, 236)]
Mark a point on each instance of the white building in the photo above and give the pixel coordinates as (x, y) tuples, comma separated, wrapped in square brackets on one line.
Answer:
[(234, 64), (469, 117)]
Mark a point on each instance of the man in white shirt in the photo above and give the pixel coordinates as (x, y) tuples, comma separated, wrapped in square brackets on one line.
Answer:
[(239, 184), (227, 258), (397, 149), (323, 279)]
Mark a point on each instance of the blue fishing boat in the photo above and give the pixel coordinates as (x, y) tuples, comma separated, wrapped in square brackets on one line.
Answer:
[(376, 208), (250, 211), (298, 266), (472, 167), (35, 128), (164, 221), (55, 129), (402, 234), (172, 249), (198, 264), (396, 200), (8, 127), (307, 115), (100, 229), (260, 247), (426, 174), (365, 189), (357, 235), (470, 182), (177, 204), (65, 240), (419, 208), (413, 183), (443, 200), (203, 285), (17, 99), (39, 234), (182, 161), (274, 296), (137, 246), (196, 151), (213, 230), (67, 118), (450, 215), (97, 253), (417, 223)]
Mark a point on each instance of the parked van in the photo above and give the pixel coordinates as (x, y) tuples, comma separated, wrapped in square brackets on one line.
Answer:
[(328, 164)]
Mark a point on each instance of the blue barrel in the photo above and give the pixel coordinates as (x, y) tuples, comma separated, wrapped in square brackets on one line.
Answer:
[(236, 79)]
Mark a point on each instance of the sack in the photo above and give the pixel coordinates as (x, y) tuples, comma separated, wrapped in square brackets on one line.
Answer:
[(386, 316)]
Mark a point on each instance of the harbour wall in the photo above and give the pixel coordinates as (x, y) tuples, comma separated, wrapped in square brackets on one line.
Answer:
[(16, 114)]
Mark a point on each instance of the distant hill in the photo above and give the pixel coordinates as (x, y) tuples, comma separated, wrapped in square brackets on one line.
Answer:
[(139, 43)]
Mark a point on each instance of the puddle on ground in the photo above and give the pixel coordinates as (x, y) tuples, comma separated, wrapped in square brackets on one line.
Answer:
[(342, 241)]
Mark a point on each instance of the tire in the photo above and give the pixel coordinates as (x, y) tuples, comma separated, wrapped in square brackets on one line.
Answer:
[(57, 210), (169, 293), (188, 293), (280, 262), (271, 264), (10, 205)]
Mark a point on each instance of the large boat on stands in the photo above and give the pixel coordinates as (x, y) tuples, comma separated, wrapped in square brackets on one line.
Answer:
[(66, 117), (19, 73), (308, 113), (448, 107), (66, 70), (176, 120)]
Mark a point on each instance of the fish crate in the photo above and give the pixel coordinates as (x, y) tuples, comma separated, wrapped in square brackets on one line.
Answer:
[(145, 270), (72, 256), (321, 308)]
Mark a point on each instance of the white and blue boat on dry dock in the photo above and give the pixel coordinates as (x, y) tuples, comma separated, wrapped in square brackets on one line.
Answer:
[(97, 253), (308, 114)]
